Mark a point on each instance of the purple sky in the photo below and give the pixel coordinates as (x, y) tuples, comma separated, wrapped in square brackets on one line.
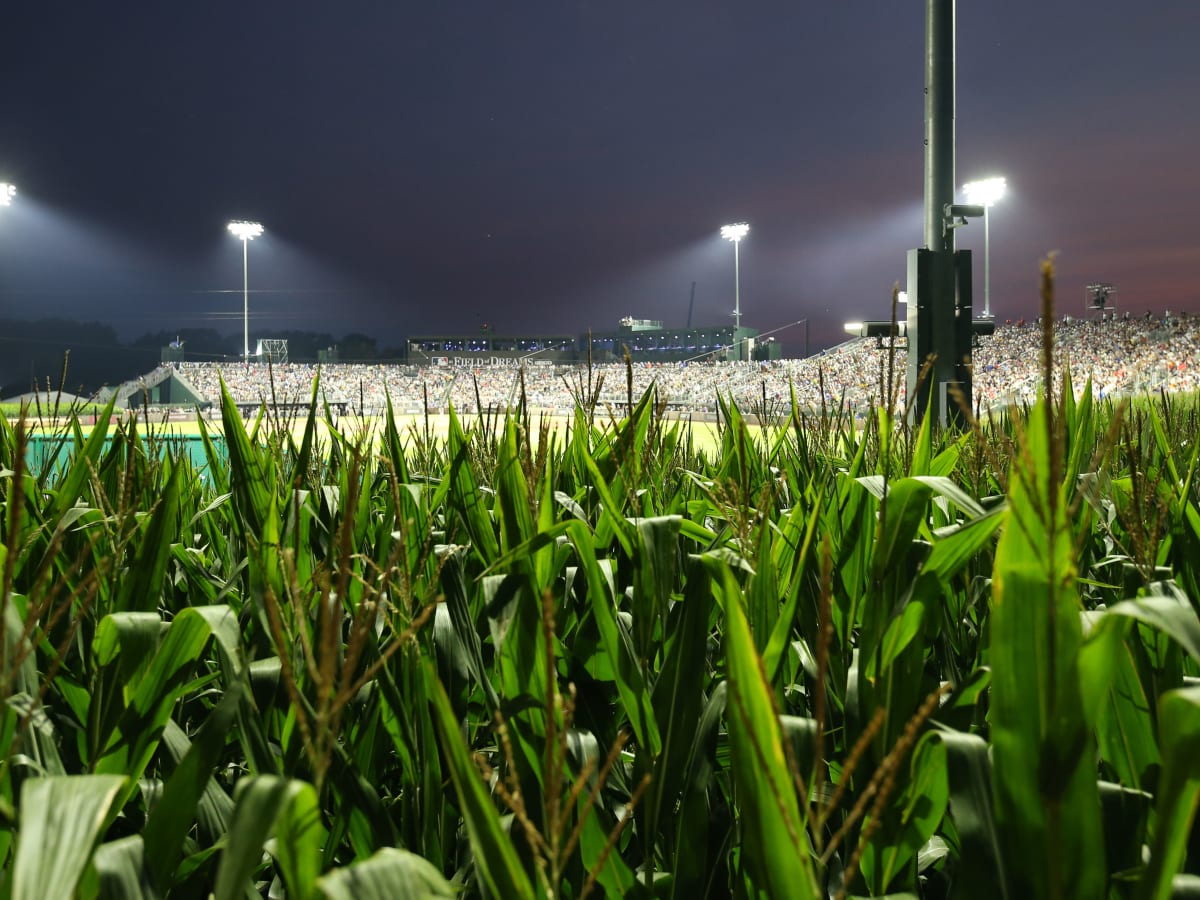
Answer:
[(553, 166)]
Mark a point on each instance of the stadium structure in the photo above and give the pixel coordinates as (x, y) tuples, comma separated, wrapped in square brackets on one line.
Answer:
[(645, 339), (1120, 355)]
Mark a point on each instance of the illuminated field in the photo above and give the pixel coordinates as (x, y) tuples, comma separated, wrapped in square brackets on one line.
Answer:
[(436, 427)]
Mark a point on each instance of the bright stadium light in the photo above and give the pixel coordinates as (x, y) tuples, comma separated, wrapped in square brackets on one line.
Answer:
[(985, 193), (854, 328), (735, 233), (245, 232), (7, 192)]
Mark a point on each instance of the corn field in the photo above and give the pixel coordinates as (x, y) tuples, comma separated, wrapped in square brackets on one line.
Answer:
[(829, 660)]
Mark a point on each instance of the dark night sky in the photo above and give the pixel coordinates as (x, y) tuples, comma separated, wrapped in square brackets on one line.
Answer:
[(552, 166)]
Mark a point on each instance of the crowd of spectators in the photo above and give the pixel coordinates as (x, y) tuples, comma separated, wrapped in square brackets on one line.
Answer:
[(1119, 354)]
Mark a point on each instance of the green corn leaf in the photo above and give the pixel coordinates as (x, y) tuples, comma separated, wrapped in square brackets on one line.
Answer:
[(454, 589), (763, 590), (393, 447), (494, 854), (303, 455), (300, 837), (679, 695), (775, 846), (1047, 802), (261, 804), (163, 682), (142, 586), (611, 509), (466, 499), (121, 870), (796, 544), (655, 561), (1080, 435), (692, 848), (214, 806), (957, 545), (1178, 790), (172, 817), (631, 683), (83, 464), (250, 477), (1113, 698), (514, 506), (981, 874), (918, 813), (60, 819), (922, 457), (390, 874), (1113, 692), (218, 464), (1173, 616)]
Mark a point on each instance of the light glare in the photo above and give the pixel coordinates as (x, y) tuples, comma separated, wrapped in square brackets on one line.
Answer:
[(854, 328), (735, 232), (246, 231), (986, 191), (7, 192)]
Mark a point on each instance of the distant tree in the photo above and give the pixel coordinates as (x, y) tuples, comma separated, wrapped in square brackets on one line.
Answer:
[(78, 357), (356, 347), (393, 354)]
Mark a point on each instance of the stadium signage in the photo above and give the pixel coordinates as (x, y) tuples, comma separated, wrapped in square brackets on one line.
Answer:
[(470, 362)]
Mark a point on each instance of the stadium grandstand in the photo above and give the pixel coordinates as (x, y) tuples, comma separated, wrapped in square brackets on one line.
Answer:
[(1121, 355), (646, 341)]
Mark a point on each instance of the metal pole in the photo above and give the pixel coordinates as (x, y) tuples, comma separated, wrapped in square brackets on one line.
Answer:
[(933, 326), (939, 122), (737, 297), (987, 265), (245, 301)]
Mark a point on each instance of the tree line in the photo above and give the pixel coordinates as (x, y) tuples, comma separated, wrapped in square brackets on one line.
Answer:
[(81, 357)]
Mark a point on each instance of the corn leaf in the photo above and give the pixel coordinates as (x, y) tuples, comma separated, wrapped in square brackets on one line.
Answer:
[(775, 848), (259, 804), (390, 874), (60, 819), (1178, 793), (1047, 802), (494, 854)]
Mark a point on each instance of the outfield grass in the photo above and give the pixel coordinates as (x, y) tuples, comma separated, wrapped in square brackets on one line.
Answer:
[(437, 426)]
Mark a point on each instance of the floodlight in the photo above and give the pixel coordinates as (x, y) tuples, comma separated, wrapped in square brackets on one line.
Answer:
[(246, 231), (986, 191), (735, 232), (7, 192)]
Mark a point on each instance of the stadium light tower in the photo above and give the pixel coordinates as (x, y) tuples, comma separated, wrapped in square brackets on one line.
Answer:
[(245, 232), (735, 233), (7, 192), (985, 193)]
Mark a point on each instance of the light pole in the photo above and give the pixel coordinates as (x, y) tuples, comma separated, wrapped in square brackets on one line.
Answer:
[(985, 193), (7, 192), (245, 232), (735, 233)]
